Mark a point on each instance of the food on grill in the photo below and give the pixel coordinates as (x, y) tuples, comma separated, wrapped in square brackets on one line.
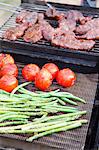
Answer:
[(9, 69), (14, 33), (52, 68), (92, 24), (33, 34), (67, 25), (91, 34), (34, 27), (29, 72), (68, 40), (43, 79), (75, 15), (30, 18), (53, 13), (8, 83), (37, 104), (66, 77), (21, 15), (47, 30), (6, 59), (27, 17)]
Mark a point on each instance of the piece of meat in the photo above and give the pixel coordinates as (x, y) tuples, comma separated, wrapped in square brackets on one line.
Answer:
[(68, 40), (40, 17), (53, 13), (21, 15), (77, 16), (33, 34), (67, 24), (91, 34), (92, 24), (47, 30), (31, 18), (14, 33)]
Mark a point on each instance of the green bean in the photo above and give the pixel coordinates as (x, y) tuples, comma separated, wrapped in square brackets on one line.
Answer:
[(59, 106), (68, 101), (33, 125), (20, 86), (45, 124), (13, 117), (50, 109), (11, 123), (44, 94), (57, 125), (63, 116), (76, 98), (66, 128), (61, 102)]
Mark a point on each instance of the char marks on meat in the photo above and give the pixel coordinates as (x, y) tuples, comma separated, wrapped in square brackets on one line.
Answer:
[(68, 40), (67, 25), (91, 34), (33, 34), (21, 15), (14, 33), (47, 30), (91, 24), (75, 15), (31, 18)]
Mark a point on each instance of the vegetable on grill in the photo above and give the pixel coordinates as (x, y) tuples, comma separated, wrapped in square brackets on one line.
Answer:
[(8, 83), (28, 112), (29, 72)]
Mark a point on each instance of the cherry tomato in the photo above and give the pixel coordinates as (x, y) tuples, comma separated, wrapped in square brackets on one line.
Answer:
[(10, 69), (43, 79), (66, 77), (6, 59), (8, 83), (29, 72), (52, 68)]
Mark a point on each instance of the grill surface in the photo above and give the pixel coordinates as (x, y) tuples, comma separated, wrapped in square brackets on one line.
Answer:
[(44, 46), (85, 87)]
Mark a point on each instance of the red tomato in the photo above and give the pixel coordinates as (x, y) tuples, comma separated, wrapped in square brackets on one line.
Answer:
[(1, 57), (52, 68), (29, 72), (43, 79), (6, 59), (66, 77), (10, 69), (8, 83)]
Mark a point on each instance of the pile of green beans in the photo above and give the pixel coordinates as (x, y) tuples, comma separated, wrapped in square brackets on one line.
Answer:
[(28, 112)]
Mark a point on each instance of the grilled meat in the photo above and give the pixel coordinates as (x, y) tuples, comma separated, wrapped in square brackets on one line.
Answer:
[(47, 30), (40, 17), (21, 15), (31, 18), (53, 13), (33, 34), (77, 16), (14, 33), (68, 40), (67, 24), (27, 17), (91, 34), (92, 24)]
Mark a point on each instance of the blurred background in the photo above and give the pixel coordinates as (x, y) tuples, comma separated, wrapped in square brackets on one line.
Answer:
[(4, 15)]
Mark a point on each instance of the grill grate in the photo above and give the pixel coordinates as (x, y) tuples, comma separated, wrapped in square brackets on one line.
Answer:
[(44, 45), (85, 88)]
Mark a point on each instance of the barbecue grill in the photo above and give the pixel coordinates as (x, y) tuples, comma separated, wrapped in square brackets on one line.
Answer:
[(84, 64)]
